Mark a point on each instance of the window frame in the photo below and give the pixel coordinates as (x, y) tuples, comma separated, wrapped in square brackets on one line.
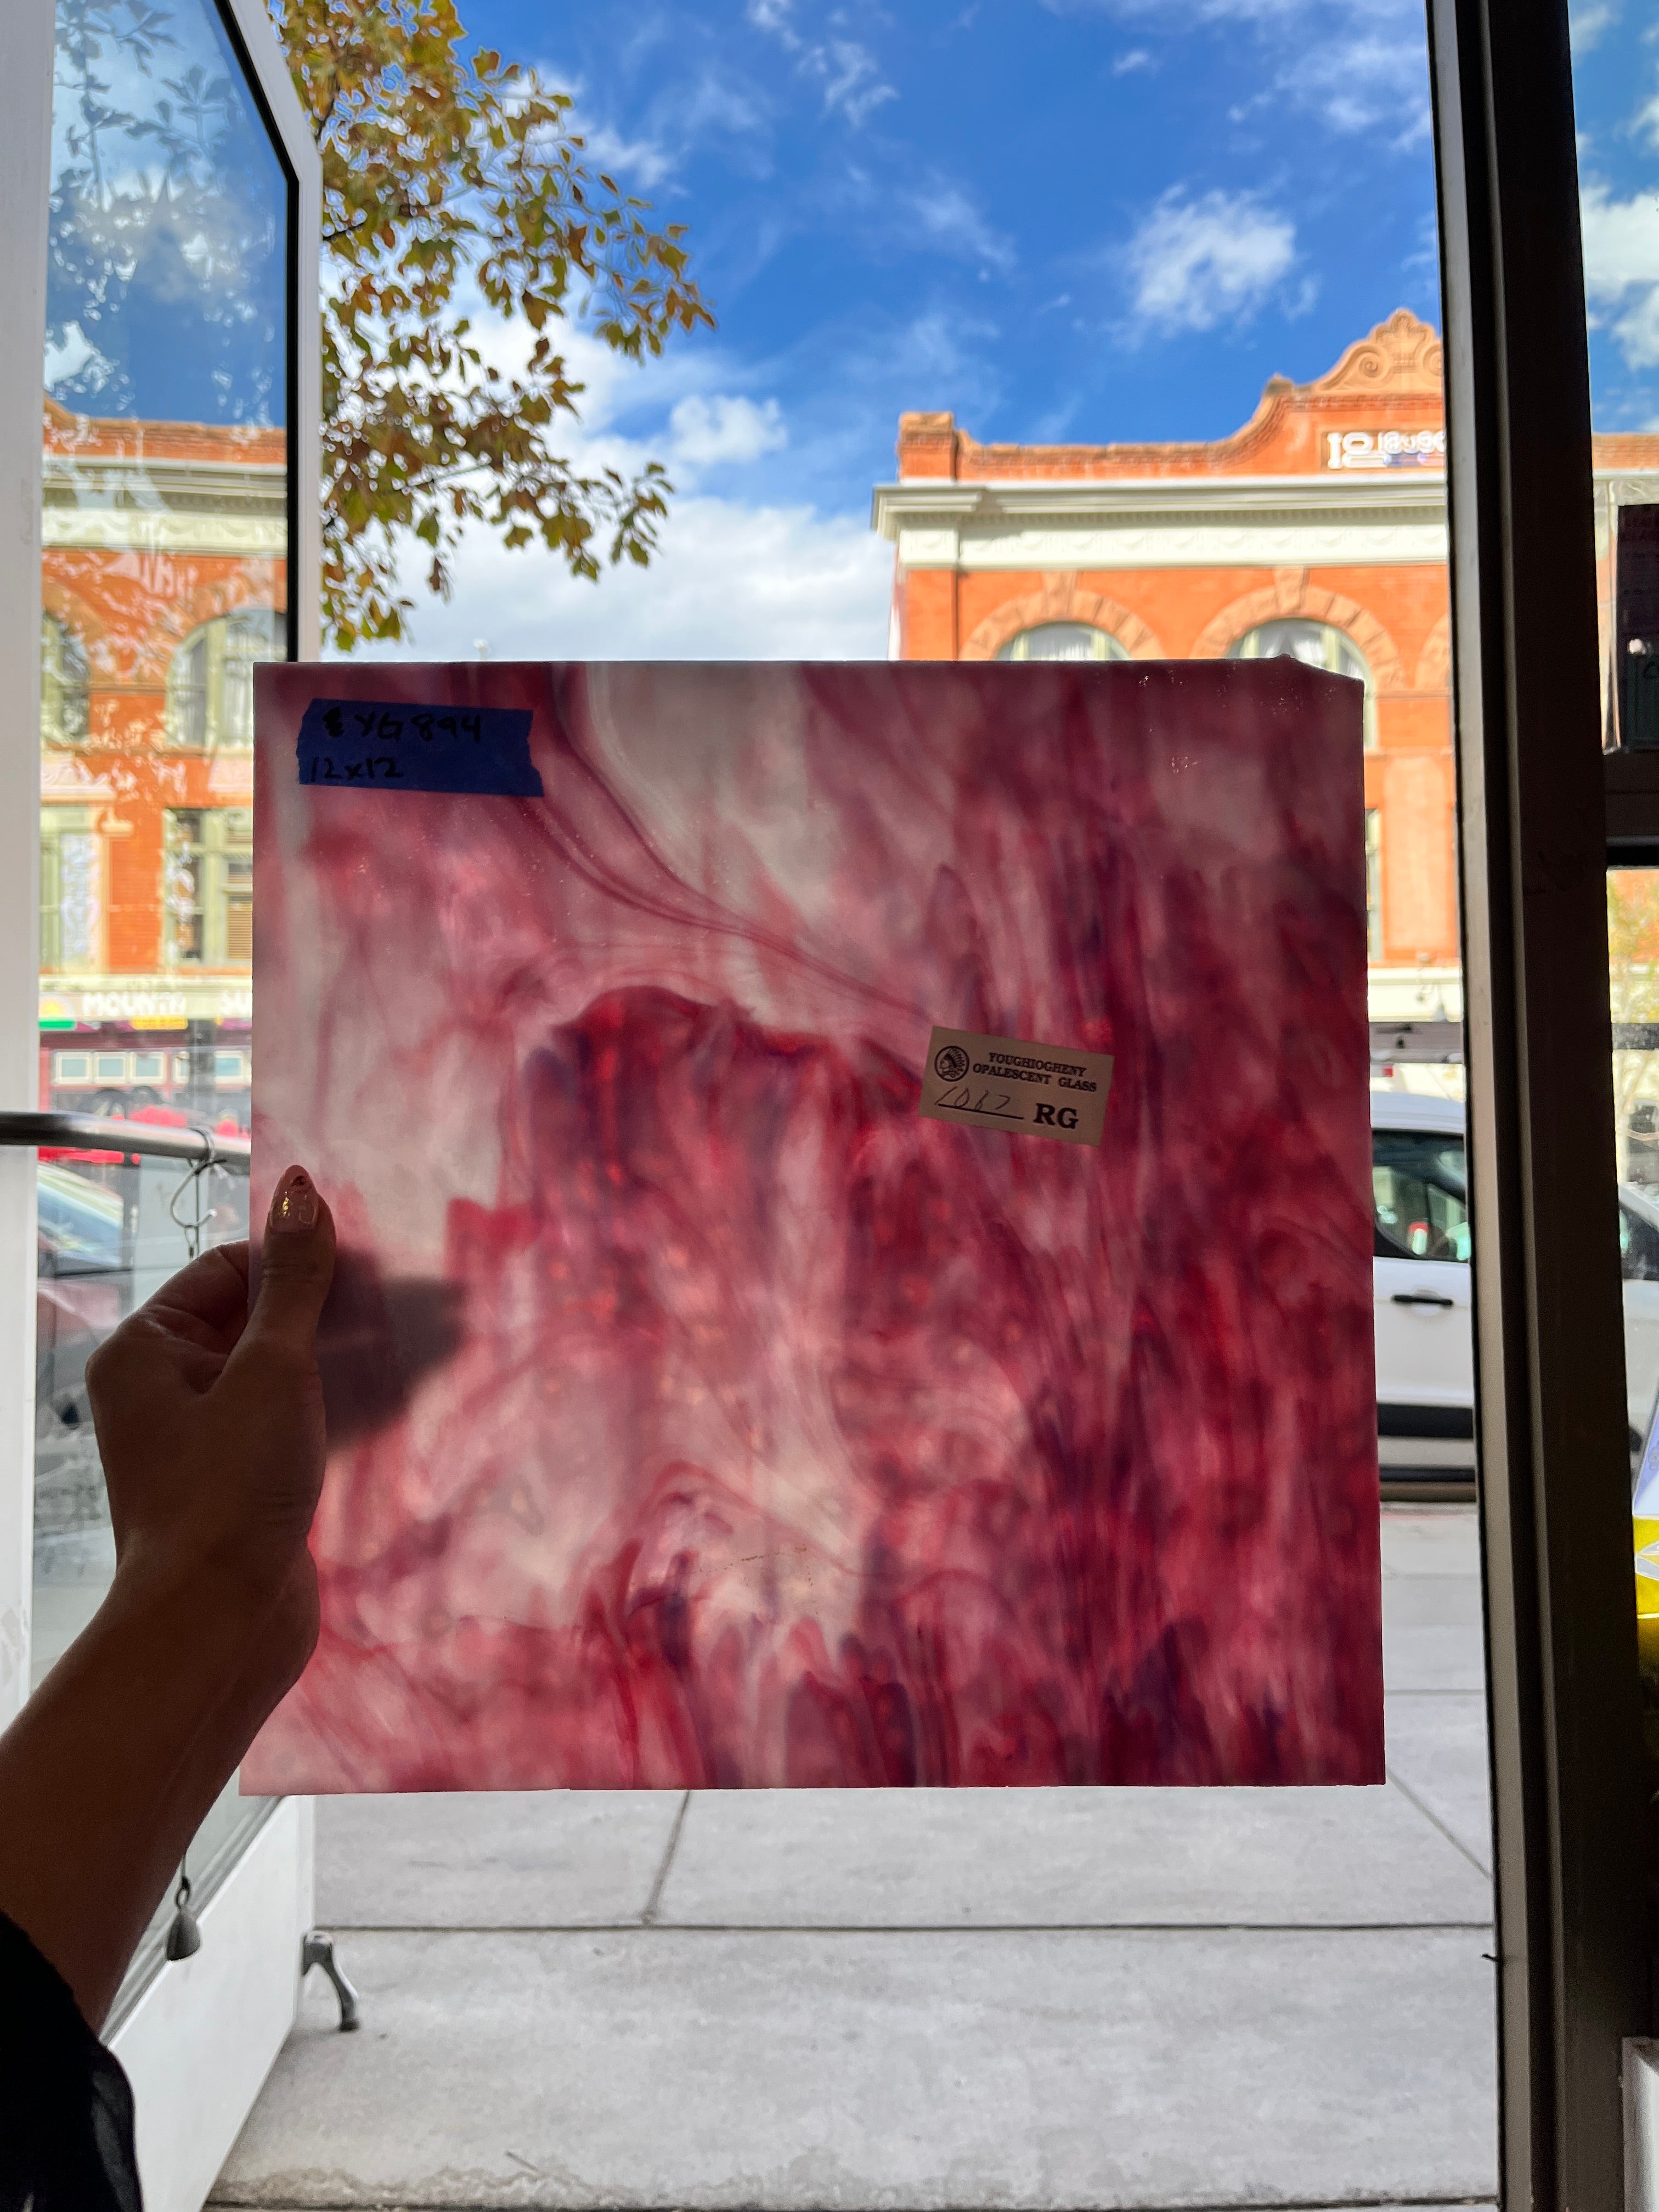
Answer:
[(1568, 1770), (207, 699), (57, 640), (1331, 634), (1568, 1778), (223, 836), (1425, 1143), (1107, 645), (195, 2058), (57, 822)]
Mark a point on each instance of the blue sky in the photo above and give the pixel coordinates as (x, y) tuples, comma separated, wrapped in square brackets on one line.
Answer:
[(1616, 97), (1062, 218)]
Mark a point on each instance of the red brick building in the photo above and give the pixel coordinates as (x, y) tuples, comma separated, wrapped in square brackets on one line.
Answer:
[(1318, 528), (165, 580)]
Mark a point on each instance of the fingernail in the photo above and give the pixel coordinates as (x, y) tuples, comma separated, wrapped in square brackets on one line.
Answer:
[(293, 1203)]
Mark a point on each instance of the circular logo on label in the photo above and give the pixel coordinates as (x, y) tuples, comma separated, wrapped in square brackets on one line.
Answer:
[(949, 1063)]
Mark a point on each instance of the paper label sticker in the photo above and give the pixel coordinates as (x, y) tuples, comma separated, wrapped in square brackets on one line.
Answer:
[(392, 747), (1007, 1082)]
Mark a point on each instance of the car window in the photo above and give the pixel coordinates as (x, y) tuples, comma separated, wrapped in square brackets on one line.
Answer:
[(1420, 1194), (1639, 1248), (80, 1223)]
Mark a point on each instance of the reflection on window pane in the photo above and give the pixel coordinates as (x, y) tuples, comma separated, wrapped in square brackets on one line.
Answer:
[(166, 271), (164, 572), (1633, 991), (1614, 94), (71, 890), (208, 886), (63, 684), (164, 582), (211, 682)]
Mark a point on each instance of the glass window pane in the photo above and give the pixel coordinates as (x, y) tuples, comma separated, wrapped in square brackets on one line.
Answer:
[(165, 570), (164, 580), (1421, 1195), (1619, 166), (1633, 946)]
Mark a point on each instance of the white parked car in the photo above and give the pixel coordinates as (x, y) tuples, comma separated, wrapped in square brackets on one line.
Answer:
[(1424, 1346)]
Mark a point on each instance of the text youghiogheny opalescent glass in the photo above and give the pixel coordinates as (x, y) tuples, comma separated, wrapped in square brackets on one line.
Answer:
[(702, 1413)]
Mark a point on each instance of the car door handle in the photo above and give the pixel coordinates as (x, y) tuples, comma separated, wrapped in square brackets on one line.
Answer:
[(1421, 1298)]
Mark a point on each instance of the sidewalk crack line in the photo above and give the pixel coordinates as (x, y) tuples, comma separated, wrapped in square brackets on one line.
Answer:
[(1434, 1821), (648, 1918)]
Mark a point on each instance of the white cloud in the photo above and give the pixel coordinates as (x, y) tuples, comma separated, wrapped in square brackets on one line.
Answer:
[(947, 217), (1361, 65), (1136, 58), (776, 16), (1621, 269), (715, 105), (67, 358), (732, 582), (852, 80), (1195, 263), (1370, 81), (707, 431), (1586, 24), (847, 72), (638, 163)]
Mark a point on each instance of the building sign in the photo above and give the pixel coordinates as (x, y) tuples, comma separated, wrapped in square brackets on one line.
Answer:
[(1385, 449), (148, 1007)]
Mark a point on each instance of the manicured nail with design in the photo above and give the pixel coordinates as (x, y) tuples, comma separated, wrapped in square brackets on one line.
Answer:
[(294, 1202)]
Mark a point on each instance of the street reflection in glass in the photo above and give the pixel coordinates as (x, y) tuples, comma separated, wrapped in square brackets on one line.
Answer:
[(164, 580)]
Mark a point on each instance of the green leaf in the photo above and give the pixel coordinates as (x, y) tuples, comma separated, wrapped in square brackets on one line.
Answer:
[(442, 174)]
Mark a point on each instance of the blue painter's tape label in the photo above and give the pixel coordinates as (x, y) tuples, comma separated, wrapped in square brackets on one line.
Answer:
[(392, 747)]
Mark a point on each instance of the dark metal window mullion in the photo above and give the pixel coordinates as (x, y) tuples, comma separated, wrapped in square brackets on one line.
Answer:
[(1563, 1694)]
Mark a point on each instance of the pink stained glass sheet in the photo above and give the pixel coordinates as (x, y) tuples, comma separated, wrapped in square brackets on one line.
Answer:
[(699, 1414)]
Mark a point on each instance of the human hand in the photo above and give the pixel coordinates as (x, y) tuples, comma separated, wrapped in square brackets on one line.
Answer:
[(209, 1418), (210, 1427)]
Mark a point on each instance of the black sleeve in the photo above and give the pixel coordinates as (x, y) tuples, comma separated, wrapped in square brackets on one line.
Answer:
[(65, 2107)]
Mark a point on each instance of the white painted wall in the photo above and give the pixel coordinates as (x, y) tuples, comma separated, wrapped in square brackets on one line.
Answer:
[(200, 2041), (203, 2035), (1641, 2126), (25, 136)]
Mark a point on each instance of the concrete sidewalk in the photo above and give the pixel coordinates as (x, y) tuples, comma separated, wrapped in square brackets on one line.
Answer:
[(932, 2000)]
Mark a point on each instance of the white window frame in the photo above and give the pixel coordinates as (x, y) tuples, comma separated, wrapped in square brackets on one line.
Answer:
[(1106, 645), (1336, 641), (223, 673), (221, 841), (57, 640), (200, 2037)]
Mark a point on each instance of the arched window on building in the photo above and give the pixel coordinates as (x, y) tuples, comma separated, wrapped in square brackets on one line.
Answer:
[(71, 890), (207, 887), (210, 682), (1318, 645), (62, 684), (1063, 642)]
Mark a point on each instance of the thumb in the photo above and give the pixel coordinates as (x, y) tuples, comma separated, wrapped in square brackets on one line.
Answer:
[(296, 1265)]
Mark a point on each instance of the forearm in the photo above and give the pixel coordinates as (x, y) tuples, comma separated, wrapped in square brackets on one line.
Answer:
[(106, 1774)]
